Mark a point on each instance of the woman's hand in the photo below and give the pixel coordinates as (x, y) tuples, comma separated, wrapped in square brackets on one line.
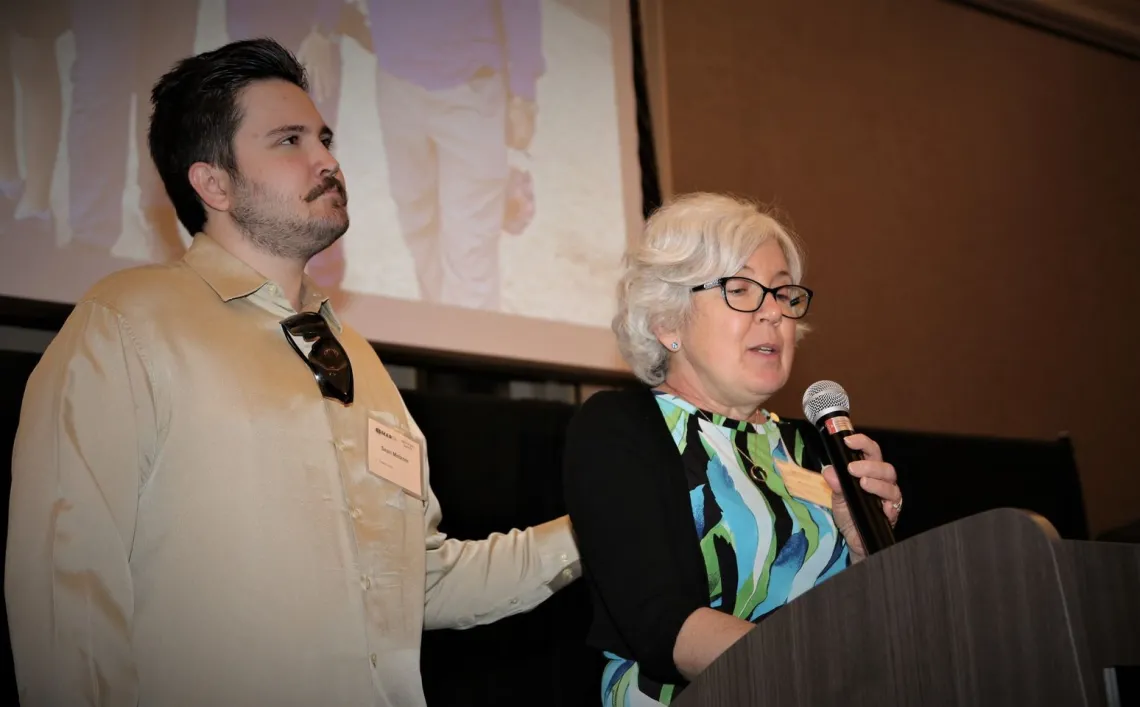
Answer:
[(875, 476)]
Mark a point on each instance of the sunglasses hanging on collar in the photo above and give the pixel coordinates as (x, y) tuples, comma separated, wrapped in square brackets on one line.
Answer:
[(326, 358)]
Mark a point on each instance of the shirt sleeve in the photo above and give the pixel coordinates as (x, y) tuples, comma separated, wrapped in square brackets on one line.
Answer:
[(475, 582), (612, 494), (87, 428), (522, 27)]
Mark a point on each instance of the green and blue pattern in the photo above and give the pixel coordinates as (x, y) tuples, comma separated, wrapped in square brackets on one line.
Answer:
[(762, 547)]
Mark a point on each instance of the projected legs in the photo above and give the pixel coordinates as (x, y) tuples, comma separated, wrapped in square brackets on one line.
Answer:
[(38, 73), (118, 56), (472, 153), (447, 162), (448, 70), (29, 36), (414, 175)]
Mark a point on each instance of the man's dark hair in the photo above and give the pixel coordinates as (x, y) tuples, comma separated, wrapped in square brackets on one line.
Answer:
[(196, 114)]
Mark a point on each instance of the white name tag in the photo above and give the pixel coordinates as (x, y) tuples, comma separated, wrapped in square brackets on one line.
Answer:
[(395, 457), (805, 485)]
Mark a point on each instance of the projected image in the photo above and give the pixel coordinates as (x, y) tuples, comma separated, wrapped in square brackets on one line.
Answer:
[(479, 139)]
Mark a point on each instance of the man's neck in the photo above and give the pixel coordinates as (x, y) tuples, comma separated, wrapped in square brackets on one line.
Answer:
[(283, 272)]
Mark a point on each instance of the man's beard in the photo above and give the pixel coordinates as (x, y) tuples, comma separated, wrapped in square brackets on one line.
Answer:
[(263, 218)]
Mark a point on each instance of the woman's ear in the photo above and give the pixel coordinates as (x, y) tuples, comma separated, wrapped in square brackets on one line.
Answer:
[(669, 338)]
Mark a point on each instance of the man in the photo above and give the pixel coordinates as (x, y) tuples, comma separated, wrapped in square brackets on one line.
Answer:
[(218, 496), (456, 86)]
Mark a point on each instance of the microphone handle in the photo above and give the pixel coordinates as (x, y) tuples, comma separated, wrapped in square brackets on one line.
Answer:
[(866, 508)]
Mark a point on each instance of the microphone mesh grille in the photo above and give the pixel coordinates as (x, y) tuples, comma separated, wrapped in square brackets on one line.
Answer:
[(822, 397)]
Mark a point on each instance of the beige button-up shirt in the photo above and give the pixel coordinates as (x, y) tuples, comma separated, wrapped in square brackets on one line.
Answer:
[(193, 524)]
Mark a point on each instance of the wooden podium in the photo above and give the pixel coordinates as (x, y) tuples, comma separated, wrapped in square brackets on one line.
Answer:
[(994, 609)]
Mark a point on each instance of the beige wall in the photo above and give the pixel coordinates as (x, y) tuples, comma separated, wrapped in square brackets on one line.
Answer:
[(969, 191)]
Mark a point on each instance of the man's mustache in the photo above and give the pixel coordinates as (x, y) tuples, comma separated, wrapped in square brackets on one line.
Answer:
[(328, 184)]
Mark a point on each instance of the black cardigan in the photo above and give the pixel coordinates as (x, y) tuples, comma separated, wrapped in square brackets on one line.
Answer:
[(628, 500)]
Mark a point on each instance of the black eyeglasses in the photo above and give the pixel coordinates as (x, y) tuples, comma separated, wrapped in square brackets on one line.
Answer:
[(326, 357), (745, 295)]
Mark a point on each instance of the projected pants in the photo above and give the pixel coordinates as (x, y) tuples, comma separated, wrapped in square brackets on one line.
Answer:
[(447, 166), (121, 48)]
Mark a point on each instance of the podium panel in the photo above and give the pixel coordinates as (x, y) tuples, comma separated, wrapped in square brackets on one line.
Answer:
[(994, 609)]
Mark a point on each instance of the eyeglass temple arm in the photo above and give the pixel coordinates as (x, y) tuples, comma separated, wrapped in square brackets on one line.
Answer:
[(709, 285)]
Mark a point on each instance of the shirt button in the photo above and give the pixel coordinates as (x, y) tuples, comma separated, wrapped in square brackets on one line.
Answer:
[(339, 445), (568, 574), (356, 513), (365, 581), (514, 601), (373, 659), (564, 558)]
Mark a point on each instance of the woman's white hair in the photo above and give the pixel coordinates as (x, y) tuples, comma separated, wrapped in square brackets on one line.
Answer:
[(692, 239)]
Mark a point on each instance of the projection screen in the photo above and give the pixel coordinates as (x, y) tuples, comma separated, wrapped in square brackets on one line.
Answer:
[(435, 258)]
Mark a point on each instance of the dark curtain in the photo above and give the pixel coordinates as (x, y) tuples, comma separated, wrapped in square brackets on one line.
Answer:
[(15, 367), (496, 465)]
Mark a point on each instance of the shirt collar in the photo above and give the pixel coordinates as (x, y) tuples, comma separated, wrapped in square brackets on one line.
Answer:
[(232, 278)]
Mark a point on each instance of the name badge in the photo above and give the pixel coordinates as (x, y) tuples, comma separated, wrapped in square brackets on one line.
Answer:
[(805, 485), (395, 457)]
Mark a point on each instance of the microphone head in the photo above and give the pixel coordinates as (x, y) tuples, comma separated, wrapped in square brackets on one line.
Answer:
[(825, 397)]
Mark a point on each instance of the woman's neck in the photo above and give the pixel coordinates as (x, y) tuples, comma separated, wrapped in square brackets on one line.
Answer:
[(693, 395)]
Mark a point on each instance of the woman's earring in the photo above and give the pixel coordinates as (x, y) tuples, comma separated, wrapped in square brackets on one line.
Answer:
[(675, 345)]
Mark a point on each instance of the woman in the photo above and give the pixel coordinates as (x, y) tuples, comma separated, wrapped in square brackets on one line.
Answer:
[(688, 533)]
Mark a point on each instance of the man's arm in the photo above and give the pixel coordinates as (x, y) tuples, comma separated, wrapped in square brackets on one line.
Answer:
[(87, 428), (475, 582)]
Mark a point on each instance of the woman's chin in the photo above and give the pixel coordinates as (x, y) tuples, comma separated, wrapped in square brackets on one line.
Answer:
[(765, 385)]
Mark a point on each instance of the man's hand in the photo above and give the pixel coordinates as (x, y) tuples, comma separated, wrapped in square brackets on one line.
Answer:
[(521, 115)]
